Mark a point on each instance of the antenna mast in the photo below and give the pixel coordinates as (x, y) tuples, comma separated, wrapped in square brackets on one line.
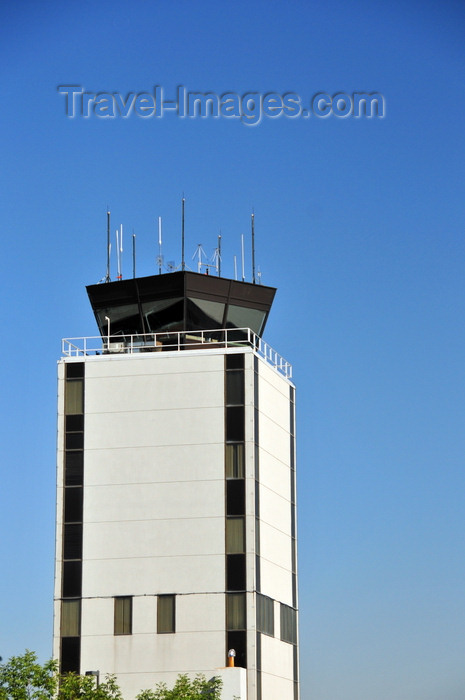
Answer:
[(215, 258), (242, 251), (119, 251), (183, 264), (219, 255), (160, 259), (253, 247), (133, 253), (107, 277)]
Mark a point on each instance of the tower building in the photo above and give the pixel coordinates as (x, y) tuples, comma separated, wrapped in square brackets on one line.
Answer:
[(176, 490)]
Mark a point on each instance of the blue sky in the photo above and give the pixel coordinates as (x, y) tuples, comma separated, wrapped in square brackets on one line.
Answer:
[(359, 223)]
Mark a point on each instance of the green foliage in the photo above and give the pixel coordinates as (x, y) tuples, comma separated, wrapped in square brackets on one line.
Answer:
[(73, 687), (184, 689), (23, 678)]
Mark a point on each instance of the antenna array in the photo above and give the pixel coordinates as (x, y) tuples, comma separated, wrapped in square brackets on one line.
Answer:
[(204, 264)]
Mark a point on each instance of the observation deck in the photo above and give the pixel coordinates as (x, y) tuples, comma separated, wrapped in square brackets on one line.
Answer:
[(215, 340)]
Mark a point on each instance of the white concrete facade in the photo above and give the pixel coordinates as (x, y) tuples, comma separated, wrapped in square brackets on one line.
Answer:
[(154, 518)]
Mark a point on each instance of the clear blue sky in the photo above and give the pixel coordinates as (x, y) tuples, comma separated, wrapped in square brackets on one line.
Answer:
[(361, 226)]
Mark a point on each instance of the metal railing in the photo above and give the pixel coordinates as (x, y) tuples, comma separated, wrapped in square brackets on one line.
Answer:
[(176, 341)]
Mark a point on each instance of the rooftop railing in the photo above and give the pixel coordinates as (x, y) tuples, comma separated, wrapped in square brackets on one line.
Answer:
[(176, 341)]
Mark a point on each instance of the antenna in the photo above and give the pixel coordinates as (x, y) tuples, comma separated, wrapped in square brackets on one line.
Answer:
[(216, 257), (107, 277), (183, 264), (253, 247), (117, 254), (242, 252), (160, 258), (259, 275), (235, 268), (119, 250), (219, 255), (133, 253), (199, 251)]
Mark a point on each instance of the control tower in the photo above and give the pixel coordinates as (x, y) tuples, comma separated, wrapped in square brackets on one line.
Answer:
[(176, 490)]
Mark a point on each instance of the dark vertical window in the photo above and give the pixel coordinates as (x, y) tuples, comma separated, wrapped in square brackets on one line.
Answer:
[(74, 441), (235, 460), (293, 498), (70, 654), (288, 624), (74, 370), (235, 535), (72, 546), (235, 361), (235, 546), (74, 468), (235, 387), (265, 614), (71, 583), (166, 614), (235, 572), (296, 673), (257, 478), (237, 640), (289, 615), (257, 522), (74, 396), (235, 497), (123, 615), (235, 611), (235, 423), (73, 504), (71, 618), (72, 579), (259, 666), (74, 423)]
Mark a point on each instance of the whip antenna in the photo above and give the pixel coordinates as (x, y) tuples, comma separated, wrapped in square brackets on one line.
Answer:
[(242, 253), (183, 264), (133, 253), (107, 277), (253, 247), (160, 259)]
